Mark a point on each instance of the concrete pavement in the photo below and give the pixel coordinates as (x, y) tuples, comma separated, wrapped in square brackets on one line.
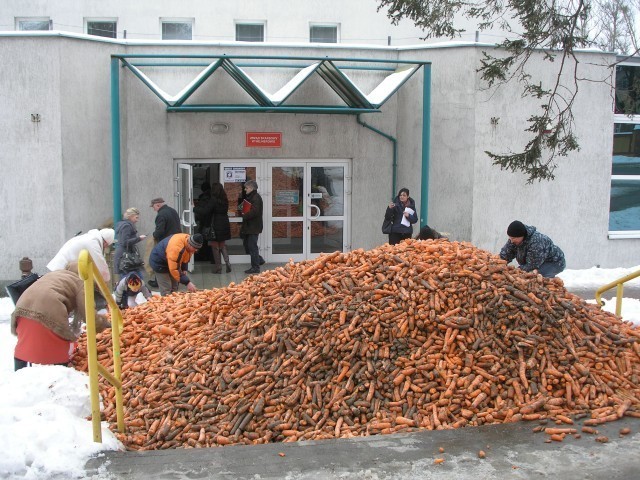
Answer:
[(512, 451)]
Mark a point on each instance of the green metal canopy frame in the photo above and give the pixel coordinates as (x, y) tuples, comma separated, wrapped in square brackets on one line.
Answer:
[(331, 70)]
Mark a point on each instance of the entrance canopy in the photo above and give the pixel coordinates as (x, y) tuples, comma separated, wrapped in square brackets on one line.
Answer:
[(331, 70), (251, 72)]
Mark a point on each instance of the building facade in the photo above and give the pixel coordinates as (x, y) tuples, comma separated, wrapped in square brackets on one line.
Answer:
[(326, 164)]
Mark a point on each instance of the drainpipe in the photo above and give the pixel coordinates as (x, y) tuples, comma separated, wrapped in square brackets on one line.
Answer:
[(395, 153), (115, 138), (426, 143)]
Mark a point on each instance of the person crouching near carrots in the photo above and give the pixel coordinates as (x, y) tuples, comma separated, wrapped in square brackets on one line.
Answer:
[(41, 321), (402, 212), (128, 288), (170, 259)]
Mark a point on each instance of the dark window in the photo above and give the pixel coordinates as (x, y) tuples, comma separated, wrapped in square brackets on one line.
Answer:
[(323, 34), (627, 89), (102, 29), (249, 32), (27, 24), (177, 30)]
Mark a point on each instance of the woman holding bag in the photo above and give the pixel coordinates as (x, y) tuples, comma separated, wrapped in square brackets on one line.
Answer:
[(215, 225), (402, 214), (127, 239)]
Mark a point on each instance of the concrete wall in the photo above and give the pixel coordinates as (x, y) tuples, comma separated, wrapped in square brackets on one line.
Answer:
[(286, 20), (47, 164), (32, 197)]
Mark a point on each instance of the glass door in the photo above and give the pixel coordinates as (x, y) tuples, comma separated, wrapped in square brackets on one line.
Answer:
[(287, 209), (232, 177), (308, 208), (326, 208), (184, 196)]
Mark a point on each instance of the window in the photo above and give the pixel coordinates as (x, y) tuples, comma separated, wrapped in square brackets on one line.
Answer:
[(627, 89), (624, 207), (177, 29), (33, 23), (624, 204), (323, 34), (250, 32), (102, 28)]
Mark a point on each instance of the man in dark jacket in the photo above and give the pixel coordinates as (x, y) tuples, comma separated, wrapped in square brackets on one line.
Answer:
[(251, 211), (167, 224), (532, 250), (167, 220)]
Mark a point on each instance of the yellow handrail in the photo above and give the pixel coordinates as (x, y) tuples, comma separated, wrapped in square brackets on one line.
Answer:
[(90, 273), (619, 283)]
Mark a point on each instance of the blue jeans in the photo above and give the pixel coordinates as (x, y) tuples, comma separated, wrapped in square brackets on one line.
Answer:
[(250, 243), (550, 269)]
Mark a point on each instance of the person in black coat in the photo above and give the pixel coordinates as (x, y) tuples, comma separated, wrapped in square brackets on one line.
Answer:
[(167, 220), (402, 211), (214, 225), (251, 211)]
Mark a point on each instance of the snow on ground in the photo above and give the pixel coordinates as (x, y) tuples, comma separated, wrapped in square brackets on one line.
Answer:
[(43, 409)]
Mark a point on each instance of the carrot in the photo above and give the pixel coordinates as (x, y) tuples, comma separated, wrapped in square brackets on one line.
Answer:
[(424, 335)]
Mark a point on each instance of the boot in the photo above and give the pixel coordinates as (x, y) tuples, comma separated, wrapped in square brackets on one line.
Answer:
[(225, 255), (217, 267)]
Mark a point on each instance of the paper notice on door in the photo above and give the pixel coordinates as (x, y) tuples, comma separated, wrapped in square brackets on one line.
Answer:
[(405, 220)]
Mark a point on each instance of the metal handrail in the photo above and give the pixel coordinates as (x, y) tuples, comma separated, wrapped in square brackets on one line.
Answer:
[(90, 273), (619, 284)]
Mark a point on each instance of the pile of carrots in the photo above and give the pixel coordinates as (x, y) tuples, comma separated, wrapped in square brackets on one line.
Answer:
[(420, 335)]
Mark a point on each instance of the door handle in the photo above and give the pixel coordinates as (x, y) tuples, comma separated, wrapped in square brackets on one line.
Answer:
[(317, 215), (185, 222)]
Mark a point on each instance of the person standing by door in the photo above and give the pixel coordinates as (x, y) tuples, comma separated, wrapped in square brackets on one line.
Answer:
[(251, 211), (214, 225), (402, 212), (167, 224), (167, 220)]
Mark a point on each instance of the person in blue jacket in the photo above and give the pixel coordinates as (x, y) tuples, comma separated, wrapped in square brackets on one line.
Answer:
[(532, 250), (402, 211)]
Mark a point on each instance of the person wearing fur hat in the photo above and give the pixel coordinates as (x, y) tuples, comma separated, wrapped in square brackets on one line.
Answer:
[(532, 250), (169, 259), (41, 319), (128, 288), (95, 241)]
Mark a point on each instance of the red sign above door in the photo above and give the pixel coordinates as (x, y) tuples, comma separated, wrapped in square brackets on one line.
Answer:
[(264, 139)]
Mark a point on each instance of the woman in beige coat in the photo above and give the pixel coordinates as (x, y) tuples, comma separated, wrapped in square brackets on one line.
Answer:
[(48, 317)]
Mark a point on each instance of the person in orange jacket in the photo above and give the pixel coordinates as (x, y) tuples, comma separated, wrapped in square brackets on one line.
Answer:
[(169, 260)]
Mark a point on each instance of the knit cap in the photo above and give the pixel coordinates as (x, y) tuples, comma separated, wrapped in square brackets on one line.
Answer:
[(196, 241), (517, 229)]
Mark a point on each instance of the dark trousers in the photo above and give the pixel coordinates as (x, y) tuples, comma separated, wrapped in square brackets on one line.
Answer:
[(395, 238), (250, 243), (551, 269)]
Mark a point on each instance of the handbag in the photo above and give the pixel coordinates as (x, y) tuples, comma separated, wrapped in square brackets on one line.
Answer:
[(131, 260), (17, 288), (209, 233), (387, 224)]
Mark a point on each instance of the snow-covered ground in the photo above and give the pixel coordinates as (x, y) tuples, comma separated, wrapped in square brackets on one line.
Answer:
[(43, 410)]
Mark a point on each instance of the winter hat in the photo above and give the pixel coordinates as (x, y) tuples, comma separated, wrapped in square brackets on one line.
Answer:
[(196, 241), (517, 229), (107, 235), (133, 282)]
